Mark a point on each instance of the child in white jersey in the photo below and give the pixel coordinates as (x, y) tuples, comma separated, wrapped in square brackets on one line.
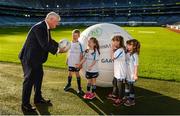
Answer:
[(75, 55), (91, 62), (118, 56), (133, 49)]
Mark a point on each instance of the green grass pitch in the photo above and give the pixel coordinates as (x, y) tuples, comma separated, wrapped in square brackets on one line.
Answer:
[(152, 96), (159, 59)]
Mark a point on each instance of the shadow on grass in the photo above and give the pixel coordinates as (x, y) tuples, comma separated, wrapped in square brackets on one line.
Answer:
[(41, 109), (29, 113), (147, 102)]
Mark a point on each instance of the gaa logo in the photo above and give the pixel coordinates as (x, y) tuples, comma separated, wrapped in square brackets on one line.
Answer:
[(97, 32)]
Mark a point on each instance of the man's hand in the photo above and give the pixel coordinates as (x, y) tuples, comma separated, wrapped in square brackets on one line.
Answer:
[(62, 50)]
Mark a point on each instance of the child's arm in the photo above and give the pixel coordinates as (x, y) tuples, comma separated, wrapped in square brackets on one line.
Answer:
[(135, 72), (136, 62), (81, 62), (112, 51), (81, 58), (93, 63), (112, 54)]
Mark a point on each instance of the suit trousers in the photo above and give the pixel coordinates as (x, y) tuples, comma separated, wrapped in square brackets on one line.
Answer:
[(33, 76)]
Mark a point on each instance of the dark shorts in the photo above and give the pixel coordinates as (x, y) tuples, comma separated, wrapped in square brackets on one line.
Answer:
[(90, 75), (73, 69)]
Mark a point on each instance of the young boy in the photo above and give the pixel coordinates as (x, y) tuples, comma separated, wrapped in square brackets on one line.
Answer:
[(75, 55)]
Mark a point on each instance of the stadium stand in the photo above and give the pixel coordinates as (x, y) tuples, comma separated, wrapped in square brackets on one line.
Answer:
[(87, 12)]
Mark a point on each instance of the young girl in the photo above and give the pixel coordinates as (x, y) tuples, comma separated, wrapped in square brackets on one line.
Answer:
[(118, 56), (91, 60), (133, 49)]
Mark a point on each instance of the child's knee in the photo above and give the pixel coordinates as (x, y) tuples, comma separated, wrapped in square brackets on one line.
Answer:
[(70, 73), (77, 74)]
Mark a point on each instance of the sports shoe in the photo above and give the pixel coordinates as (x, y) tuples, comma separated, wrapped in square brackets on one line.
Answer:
[(129, 102), (92, 96), (118, 102), (111, 96), (80, 92), (86, 95), (67, 87)]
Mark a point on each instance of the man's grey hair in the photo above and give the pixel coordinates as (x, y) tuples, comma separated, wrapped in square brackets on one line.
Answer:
[(49, 15)]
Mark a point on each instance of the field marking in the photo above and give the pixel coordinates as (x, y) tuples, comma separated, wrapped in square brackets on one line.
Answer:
[(53, 82), (148, 32), (132, 30)]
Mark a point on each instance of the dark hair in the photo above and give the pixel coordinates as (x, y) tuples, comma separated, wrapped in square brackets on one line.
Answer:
[(96, 47), (136, 45), (120, 39), (76, 31)]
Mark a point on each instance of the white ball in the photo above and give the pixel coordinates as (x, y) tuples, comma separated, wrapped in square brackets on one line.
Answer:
[(64, 43), (104, 33)]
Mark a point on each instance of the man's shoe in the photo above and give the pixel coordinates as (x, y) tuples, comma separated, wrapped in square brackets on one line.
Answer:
[(42, 101), (67, 87), (28, 108)]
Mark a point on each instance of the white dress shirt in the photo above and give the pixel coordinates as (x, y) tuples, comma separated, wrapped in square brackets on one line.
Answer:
[(48, 35)]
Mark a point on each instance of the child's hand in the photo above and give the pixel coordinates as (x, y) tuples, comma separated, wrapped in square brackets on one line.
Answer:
[(135, 77), (77, 65), (80, 66)]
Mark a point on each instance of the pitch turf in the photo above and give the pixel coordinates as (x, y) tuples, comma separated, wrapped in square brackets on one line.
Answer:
[(159, 57), (152, 96)]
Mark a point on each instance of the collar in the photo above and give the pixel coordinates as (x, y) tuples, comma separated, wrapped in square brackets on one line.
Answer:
[(47, 24), (75, 41)]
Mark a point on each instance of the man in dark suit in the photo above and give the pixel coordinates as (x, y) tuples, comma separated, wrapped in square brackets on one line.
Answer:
[(33, 54)]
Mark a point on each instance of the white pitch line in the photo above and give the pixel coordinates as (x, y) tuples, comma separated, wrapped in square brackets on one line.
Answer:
[(130, 30), (54, 82), (149, 32)]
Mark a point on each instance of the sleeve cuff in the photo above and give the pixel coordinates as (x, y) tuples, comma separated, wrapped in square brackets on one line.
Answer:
[(57, 51)]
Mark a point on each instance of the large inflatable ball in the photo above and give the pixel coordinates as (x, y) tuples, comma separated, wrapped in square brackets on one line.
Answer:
[(104, 33)]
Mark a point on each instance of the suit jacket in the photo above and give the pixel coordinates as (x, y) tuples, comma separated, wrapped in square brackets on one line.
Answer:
[(38, 45)]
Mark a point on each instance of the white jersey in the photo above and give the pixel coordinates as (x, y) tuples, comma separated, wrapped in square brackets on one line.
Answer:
[(91, 56), (74, 54), (119, 64), (131, 61)]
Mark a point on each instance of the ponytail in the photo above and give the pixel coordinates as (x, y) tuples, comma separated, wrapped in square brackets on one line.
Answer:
[(96, 47)]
